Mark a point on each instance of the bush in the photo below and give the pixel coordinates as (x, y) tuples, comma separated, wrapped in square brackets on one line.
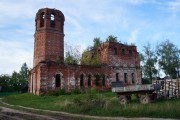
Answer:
[(100, 101), (90, 99), (76, 91), (57, 93), (53, 93), (146, 81), (78, 101), (91, 92), (62, 92), (42, 94)]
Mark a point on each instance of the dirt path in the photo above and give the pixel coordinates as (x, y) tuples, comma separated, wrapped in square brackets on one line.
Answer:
[(12, 114), (8, 114)]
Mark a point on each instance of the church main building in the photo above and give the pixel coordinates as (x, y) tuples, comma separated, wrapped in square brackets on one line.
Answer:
[(120, 62)]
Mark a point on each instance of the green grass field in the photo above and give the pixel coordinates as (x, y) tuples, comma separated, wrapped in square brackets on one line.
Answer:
[(100, 104)]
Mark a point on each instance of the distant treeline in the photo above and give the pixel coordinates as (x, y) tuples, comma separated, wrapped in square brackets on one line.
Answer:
[(15, 82)]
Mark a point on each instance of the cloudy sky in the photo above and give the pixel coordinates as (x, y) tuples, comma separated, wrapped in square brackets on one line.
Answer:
[(132, 21)]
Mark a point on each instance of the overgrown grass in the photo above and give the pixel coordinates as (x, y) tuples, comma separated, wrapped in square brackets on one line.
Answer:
[(101, 104)]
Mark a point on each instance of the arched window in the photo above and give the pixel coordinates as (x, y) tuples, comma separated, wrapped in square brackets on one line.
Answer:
[(81, 80), (125, 77), (92, 55), (115, 51), (130, 51), (132, 76), (123, 51), (52, 20), (117, 77), (42, 19), (58, 80), (97, 80), (103, 80), (89, 80)]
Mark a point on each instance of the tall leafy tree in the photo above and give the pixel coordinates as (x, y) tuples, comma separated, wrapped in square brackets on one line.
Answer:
[(111, 38), (69, 59), (168, 58), (17, 81), (90, 58), (97, 42), (149, 60), (24, 72), (5, 83)]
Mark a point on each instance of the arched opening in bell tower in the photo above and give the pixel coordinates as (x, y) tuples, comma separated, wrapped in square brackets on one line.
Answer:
[(52, 20), (42, 19)]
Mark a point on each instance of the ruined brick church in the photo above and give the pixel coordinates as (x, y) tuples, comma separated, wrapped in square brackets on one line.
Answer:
[(120, 62)]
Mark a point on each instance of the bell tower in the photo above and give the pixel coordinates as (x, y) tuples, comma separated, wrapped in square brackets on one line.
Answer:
[(49, 36)]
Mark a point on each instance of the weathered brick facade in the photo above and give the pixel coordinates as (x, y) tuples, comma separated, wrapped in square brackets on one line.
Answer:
[(121, 62)]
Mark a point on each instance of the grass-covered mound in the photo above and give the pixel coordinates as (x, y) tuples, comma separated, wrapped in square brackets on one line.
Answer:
[(101, 104)]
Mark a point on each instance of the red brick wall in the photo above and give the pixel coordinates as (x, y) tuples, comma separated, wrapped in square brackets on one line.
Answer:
[(108, 56), (70, 76)]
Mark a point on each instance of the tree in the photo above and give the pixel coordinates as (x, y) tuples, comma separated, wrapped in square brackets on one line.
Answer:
[(69, 59), (20, 80), (5, 83), (111, 38), (97, 42), (168, 58), (17, 81), (72, 54), (86, 57), (24, 72), (149, 61), (90, 58)]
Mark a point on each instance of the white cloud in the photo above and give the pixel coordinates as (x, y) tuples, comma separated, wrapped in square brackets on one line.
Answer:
[(13, 55), (136, 1), (12, 11), (139, 2), (133, 36), (75, 27), (174, 5)]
